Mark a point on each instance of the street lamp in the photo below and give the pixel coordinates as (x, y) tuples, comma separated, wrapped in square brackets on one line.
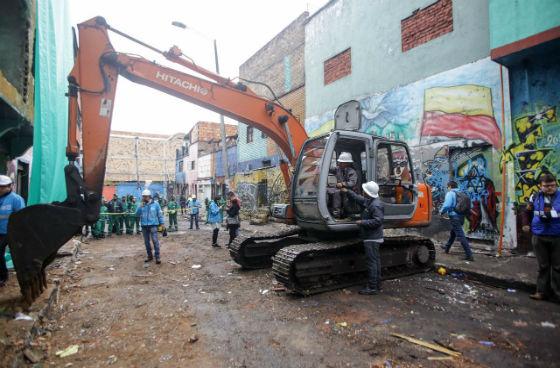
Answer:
[(222, 123)]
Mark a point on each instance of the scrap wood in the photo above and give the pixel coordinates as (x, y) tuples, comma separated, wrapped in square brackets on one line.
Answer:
[(440, 358), (427, 345)]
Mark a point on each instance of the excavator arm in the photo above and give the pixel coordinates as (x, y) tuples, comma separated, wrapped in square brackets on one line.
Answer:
[(36, 233)]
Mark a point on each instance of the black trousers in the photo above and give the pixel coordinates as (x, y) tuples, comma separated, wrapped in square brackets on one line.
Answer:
[(233, 231), (547, 250), (373, 262), (3, 268)]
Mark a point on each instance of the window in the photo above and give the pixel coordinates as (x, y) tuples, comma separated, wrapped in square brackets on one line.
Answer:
[(307, 178), (249, 134), (266, 163), (181, 166), (192, 165)]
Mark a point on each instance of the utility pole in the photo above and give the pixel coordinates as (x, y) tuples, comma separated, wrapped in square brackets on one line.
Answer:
[(223, 127), (136, 160)]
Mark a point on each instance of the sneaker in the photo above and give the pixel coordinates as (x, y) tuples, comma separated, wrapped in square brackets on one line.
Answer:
[(149, 259), (368, 291), (444, 248), (158, 261), (537, 296), (216, 245)]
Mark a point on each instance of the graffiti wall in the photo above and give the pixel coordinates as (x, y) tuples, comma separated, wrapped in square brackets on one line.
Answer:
[(260, 188), (452, 122)]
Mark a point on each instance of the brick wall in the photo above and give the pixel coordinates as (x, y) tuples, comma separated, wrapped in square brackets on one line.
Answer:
[(156, 156), (338, 66), (427, 24)]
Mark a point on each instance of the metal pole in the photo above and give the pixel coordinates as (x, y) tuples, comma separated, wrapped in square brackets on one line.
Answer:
[(222, 125), (136, 159)]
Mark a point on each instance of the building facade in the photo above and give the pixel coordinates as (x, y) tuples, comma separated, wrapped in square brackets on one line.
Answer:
[(137, 160), (422, 74), (280, 65), (528, 45), (201, 141)]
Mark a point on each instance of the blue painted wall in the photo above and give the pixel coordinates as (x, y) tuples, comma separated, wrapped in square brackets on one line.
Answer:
[(232, 162)]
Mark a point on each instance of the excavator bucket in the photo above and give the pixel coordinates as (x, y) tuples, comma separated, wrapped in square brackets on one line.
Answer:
[(35, 234)]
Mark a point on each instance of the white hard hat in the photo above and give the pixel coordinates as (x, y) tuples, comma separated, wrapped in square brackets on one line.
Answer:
[(5, 180), (345, 157), (371, 188), (146, 192)]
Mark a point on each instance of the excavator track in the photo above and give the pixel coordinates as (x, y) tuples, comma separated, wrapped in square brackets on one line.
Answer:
[(329, 265), (256, 251)]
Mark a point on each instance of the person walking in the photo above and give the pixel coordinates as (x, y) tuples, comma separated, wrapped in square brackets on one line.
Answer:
[(172, 211), (371, 232), (233, 221), (10, 202), (194, 207), (457, 206), (214, 219), (542, 218), (183, 204), (151, 217)]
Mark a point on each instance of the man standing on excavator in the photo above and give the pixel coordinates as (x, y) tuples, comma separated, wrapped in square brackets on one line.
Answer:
[(151, 217), (10, 202), (346, 177), (371, 231)]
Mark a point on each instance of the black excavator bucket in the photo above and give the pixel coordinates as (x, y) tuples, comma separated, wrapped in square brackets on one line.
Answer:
[(35, 234)]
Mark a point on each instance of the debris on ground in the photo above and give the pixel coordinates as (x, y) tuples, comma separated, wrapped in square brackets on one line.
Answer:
[(71, 350), (23, 317), (342, 324), (111, 360), (193, 339), (520, 323), (486, 343), (511, 291), (548, 324), (196, 266), (32, 355), (442, 271), (428, 345)]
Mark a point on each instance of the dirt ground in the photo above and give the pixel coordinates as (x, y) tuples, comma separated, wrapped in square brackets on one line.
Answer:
[(123, 313)]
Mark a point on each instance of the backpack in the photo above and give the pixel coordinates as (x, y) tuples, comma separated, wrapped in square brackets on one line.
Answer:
[(462, 203)]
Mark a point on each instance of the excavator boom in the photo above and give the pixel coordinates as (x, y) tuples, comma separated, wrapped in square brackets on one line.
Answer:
[(36, 233)]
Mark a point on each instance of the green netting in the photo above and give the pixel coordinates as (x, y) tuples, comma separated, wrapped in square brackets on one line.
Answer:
[(53, 61)]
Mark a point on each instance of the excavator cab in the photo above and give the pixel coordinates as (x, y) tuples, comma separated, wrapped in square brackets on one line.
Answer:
[(375, 158)]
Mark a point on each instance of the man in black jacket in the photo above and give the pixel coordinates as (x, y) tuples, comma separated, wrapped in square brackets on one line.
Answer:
[(371, 231)]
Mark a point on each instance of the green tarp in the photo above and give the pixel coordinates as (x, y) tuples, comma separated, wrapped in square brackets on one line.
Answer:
[(53, 62)]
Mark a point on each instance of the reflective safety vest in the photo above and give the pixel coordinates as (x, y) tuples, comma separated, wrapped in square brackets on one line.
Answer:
[(546, 218)]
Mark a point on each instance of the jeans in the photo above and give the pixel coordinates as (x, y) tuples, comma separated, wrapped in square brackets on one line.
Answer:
[(547, 250), (458, 233), (151, 232), (373, 262), (194, 217), (3, 267)]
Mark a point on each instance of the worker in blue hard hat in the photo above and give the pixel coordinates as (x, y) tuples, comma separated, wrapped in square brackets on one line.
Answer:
[(10, 202)]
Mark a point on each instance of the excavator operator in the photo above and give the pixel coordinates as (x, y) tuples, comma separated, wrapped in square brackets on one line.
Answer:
[(346, 177)]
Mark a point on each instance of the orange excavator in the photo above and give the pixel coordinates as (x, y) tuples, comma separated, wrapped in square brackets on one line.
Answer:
[(321, 253)]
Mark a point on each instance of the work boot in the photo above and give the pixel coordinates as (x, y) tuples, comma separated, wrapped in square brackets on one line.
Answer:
[(537, 296), (368, 291), (158, 261), (149, 259)]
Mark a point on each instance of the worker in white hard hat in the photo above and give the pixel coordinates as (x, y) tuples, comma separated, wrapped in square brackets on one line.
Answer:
[(10, 202), (371, 232), (346, 177), (151, 217)]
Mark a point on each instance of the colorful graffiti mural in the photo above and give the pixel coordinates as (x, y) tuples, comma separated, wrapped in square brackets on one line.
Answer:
[(450, 121), (535, 149), (260, 188)]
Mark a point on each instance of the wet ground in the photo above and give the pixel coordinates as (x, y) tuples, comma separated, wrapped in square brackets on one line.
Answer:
[(123, 313)]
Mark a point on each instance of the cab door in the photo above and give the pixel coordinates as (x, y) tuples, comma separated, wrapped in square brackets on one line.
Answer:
[(393, 173)]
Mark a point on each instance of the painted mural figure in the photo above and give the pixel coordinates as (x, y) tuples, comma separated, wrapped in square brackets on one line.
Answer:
[(346, 177)]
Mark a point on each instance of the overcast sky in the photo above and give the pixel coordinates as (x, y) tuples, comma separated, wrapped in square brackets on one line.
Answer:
[(241, 28)]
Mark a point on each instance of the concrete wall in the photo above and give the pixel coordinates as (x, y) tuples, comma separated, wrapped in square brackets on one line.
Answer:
[(156, 157), (514, 20), (372, 29)]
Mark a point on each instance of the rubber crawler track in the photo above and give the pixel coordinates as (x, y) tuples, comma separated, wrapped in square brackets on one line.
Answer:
[(256, 251), (317, 267)]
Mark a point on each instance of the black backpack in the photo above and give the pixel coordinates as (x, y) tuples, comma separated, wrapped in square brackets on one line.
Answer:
[(462, 203)]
